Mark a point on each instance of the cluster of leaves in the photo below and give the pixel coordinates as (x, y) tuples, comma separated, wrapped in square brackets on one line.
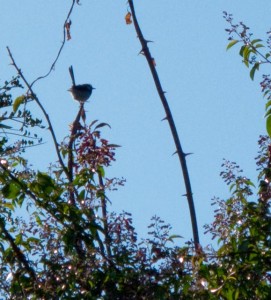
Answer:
[(58, 239), (242, 264), (254, 53), (239, 33), (70, 250), (14, 121), (240, 268), (60, 250)]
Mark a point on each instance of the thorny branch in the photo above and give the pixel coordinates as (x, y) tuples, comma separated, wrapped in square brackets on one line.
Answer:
[(182, 156)]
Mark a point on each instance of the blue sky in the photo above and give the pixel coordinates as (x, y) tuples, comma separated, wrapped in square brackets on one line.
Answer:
[(218, 110)]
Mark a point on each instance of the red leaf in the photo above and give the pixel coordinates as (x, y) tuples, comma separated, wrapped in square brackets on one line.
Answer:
[(68, 29), (128, 19)]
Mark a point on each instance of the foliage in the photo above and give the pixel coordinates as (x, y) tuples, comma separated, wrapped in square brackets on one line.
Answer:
[(16, 119), (255, 54), (59, 240), (71, 247), (242, 227)]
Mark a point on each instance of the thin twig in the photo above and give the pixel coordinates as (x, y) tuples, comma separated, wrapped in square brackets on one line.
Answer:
[(44, 112), (74, 130), (60, 49), (182, 156), (104, 214)]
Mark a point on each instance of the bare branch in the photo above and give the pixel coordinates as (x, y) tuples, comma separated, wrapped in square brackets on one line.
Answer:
[(182, 157), (44, 112), (61, 47)]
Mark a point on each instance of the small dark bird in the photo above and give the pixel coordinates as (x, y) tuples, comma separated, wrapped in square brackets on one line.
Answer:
[(80, 92)]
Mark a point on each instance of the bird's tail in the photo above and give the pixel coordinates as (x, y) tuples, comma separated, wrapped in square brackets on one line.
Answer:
[(72, 75)]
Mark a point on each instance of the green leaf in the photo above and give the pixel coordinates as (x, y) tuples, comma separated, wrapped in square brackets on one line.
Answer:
[(245, 61), (38, 219), (17, 102), (231, 187), (11, 190), (254, 68), (18, 239), (229, 293), (5, 126), (236, 294), (246, 54), (20, 199), (101, 171), (266, 93), (268, 125), (81, 195), (174, 236), (248, 182), (242, 50), (45, 182), (33, 240), (231, 43), (8, 205), (267, 104), (256, 41), (268, 113), (259, 46)]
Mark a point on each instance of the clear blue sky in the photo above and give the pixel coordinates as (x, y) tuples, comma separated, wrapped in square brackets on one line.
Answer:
[(217, 109)]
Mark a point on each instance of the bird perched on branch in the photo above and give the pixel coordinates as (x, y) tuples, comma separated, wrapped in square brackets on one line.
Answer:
[(80, 92)]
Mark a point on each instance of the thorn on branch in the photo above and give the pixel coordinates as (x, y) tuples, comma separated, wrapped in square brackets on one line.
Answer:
[(141, 52), (151, 63), (165, 118)]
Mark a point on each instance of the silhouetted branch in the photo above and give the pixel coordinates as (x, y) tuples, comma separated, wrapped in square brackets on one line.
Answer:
[(104, 214), (74, 129), (44, 112), (61, 47), (182, 156), (18, 252)]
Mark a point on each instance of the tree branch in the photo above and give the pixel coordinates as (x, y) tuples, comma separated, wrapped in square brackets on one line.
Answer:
[(19, 254), (61, 47), (104, 214), (182, 156), (44, 112)]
